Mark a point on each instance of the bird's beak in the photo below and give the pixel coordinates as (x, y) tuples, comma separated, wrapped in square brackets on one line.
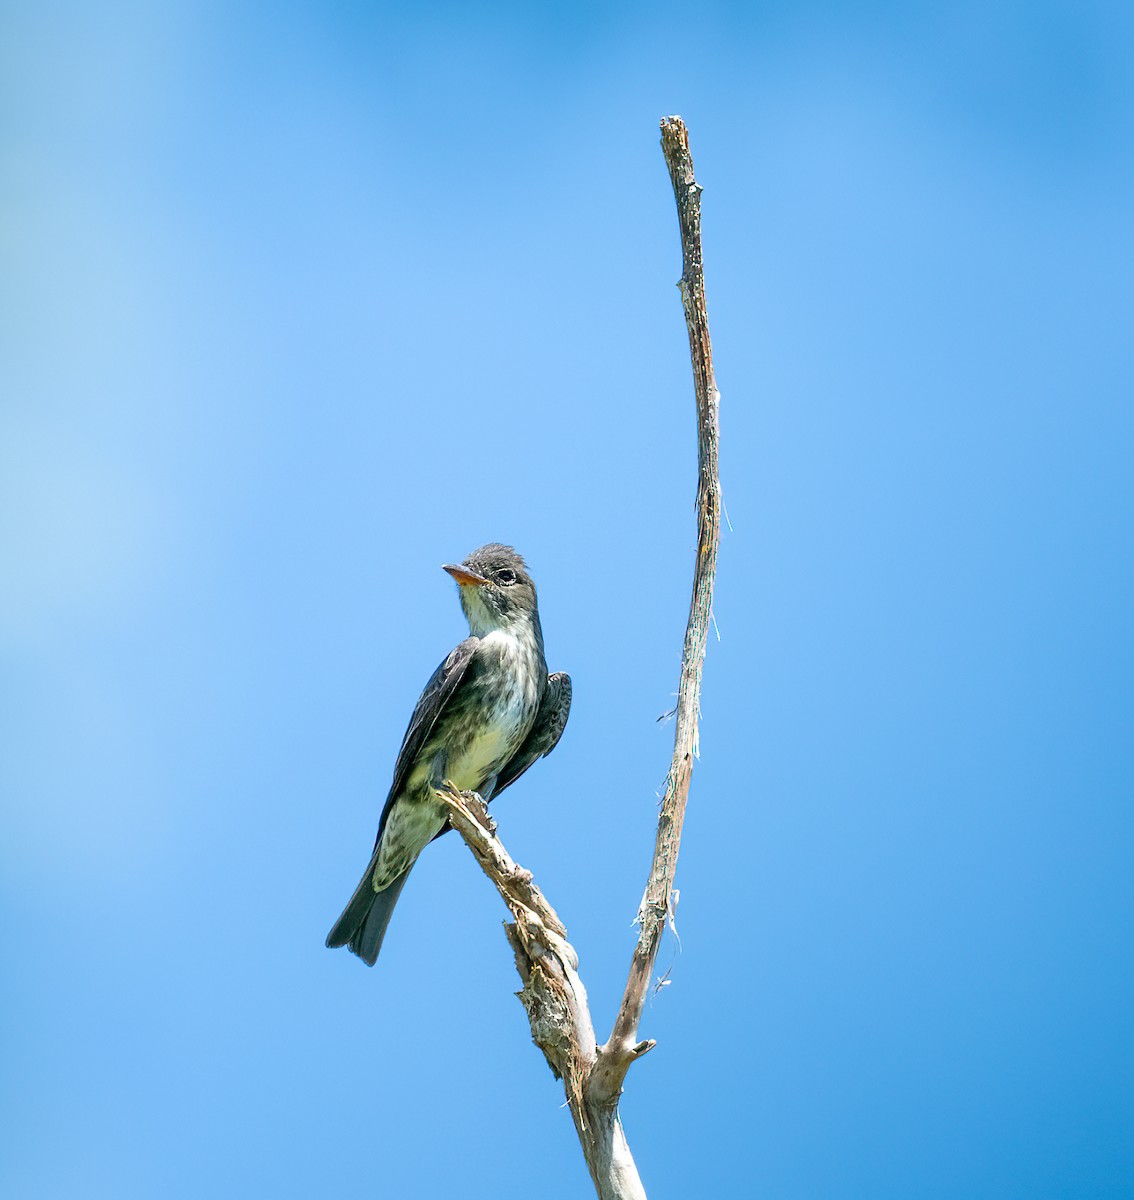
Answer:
[(465, 577)]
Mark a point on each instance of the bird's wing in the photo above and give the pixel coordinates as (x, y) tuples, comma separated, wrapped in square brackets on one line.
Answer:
[(546, 730), (438, 692)]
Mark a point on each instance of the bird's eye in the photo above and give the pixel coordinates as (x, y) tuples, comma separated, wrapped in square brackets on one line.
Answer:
[(506, 576)]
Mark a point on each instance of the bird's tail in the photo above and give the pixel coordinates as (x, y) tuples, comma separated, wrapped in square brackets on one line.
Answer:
[(363, 923)]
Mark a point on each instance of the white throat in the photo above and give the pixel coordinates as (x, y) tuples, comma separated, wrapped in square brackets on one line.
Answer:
[(484, 620)]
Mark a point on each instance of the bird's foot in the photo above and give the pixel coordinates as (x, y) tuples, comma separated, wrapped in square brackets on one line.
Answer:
[(479, 809), (476, 805), (472, 801)]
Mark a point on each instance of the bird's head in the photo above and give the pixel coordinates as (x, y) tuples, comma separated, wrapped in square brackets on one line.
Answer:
[(496, 590)]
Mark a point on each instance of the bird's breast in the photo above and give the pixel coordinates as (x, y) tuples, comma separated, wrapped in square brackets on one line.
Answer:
[(480, 730), (499, 705)]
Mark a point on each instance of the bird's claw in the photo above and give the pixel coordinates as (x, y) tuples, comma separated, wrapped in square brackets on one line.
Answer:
[(473, 801), (479, 809)]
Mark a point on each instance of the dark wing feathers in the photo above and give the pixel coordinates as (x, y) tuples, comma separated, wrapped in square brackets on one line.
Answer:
[(364, 920), (546, 730), (363, 923), (438, 691)]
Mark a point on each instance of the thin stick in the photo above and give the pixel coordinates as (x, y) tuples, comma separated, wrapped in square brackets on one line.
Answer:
[(622, 1047)]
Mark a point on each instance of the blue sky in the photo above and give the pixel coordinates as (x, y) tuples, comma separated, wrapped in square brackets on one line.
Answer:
[(301, 301)]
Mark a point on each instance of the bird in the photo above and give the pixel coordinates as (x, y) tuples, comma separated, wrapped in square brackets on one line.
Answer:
[(488, 712)]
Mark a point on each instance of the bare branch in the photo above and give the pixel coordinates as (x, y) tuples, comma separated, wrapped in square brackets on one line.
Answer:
[(621, 1047), (553, 997), (553, 994)]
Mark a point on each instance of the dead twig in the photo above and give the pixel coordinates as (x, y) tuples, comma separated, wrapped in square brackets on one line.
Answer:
[(553, 993)]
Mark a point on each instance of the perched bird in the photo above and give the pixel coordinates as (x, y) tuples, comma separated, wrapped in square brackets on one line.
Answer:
[(489, 711)]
